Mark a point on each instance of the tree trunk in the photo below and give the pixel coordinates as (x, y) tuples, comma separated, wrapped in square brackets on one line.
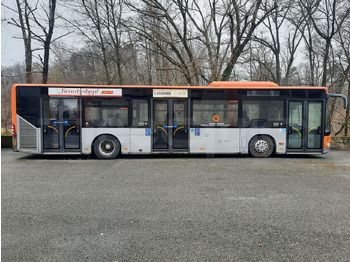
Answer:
[(28, 60), (325, 62), (278, 68), (233, 60), (47, 42), (24, 24), (229, 68)]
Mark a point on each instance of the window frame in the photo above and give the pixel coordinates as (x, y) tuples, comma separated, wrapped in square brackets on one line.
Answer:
[(226, 114)]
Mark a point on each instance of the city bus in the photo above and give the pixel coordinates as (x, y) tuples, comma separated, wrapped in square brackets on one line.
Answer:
[(256, 118)]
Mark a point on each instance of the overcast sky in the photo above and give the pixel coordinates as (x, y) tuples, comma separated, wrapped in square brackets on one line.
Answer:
[(12, 48)]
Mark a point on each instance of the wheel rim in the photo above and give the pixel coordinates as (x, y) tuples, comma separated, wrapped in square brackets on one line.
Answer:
[(107, 147), (261, 146)]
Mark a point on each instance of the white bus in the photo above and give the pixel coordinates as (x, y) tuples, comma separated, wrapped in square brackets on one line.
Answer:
[(260, 118)]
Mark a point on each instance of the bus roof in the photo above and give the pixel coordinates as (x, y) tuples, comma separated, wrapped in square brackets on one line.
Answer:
[(213, 85)]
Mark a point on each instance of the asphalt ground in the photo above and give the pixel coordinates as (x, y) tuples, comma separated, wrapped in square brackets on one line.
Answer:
[(175, 208)]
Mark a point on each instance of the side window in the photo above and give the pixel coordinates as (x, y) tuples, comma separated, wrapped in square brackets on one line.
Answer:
[(296, 113), (28, 104), (262, 114), (140, 113), (105, 112), (215, 113), (315, 114)]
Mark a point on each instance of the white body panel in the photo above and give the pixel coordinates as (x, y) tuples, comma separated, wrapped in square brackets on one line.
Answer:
[(140, 142), (201, 140), (89, 134), (278, 134), (214, 140)]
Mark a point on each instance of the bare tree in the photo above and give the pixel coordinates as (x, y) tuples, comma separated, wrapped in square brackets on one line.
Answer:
[(114, 11), (45, 36), (46, 39), (37, 23), (24, 11), (278, 23), (309, 39), (9, 75), (244, 18), (327, 18), (165, 25), (100, 23), (211, 26), (261, 65), (342, 54), (203, 41)]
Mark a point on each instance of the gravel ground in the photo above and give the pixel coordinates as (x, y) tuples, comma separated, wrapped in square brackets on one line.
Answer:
[(175, 208)]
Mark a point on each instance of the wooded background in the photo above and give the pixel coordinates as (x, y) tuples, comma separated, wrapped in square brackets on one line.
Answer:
[(182, 42)]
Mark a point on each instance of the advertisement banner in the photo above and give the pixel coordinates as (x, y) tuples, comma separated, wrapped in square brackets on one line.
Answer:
[(101, 92)]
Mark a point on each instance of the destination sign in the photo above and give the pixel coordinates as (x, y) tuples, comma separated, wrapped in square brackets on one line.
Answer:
[(179, 93)]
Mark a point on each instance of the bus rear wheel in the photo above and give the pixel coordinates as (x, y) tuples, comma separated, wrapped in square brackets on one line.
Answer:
[(106, 147), (261, 146)]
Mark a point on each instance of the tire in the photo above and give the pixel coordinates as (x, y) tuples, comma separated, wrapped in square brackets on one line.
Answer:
[(106, 147), (261, 146)]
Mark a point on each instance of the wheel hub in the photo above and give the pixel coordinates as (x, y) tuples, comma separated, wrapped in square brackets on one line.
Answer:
[(107, 147), (261, 146)]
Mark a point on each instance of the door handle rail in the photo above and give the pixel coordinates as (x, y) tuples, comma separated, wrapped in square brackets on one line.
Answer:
[(166, 127), (63, 122)]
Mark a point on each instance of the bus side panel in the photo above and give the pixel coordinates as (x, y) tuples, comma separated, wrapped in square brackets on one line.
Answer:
[(278, 134), (214, 140), (140, 141), (88, 136)]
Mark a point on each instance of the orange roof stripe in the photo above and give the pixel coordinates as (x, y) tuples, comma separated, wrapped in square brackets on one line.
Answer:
[(213, 85), (242, 84)]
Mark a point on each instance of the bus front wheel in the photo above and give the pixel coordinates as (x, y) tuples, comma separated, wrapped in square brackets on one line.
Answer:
[(261, 146), (106, 147)]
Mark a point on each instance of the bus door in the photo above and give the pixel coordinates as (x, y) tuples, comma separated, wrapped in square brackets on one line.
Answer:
[(305, 128), (61, 125), (170, 125)]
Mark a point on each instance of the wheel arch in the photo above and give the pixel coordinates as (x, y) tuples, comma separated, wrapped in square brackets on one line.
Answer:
[(102, 134), (106, 135), (263, 135)]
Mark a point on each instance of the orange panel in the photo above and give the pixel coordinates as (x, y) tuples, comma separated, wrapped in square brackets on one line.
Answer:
[(13, 108), (327, 140)]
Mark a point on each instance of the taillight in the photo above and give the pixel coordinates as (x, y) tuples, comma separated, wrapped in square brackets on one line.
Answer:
[(13, 131)]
